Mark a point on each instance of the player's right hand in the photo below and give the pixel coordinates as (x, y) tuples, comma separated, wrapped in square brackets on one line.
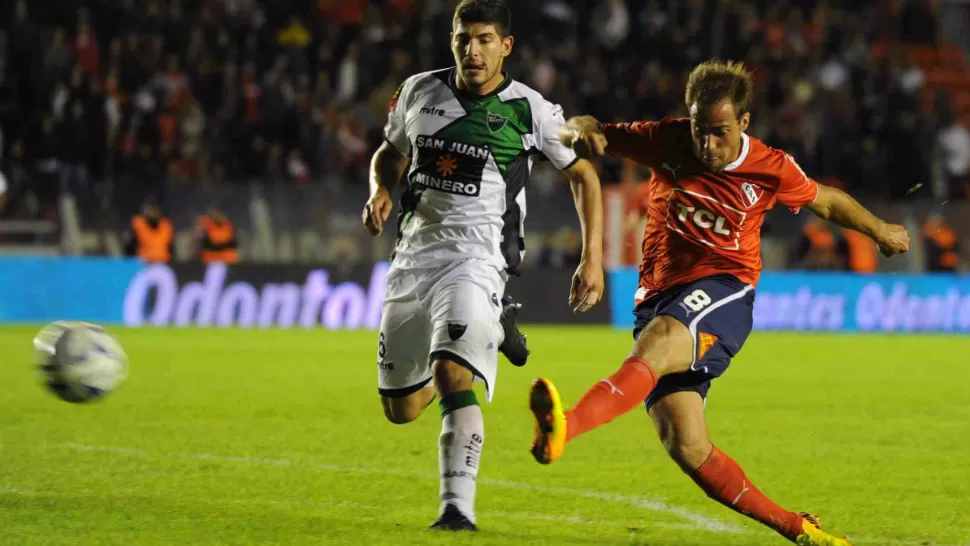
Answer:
[(584, 136), (376, 211), (587, 286), (893, 239)]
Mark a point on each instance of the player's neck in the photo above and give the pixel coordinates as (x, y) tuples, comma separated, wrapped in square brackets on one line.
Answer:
[(739, 155), (487, 88)]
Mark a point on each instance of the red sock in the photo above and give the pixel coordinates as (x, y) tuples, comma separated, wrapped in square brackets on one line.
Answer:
[(724, 481), (610, 398)]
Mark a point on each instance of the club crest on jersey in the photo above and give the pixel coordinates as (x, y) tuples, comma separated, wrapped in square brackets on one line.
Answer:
[(496, 122), (751, 194)]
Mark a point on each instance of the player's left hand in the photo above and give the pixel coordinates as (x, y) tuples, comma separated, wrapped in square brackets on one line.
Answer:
[(893, 239), (587, 288)]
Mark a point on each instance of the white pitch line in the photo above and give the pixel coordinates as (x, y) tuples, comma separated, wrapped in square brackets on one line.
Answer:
[(512, 516), (700, 522), (697, 521)]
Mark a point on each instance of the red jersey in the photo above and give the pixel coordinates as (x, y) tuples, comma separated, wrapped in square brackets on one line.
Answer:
[(702, 223)]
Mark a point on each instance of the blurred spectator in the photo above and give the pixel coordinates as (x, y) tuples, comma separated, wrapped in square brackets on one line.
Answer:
[(953, 155), (816, 248), (918, 19), (294, 35), (152, 236), (217, 238), (857, 252), (3, 192), (87, 50), (940, 245)]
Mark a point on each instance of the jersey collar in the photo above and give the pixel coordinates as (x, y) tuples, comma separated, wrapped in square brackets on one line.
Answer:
[(472, 96), (745, 148)]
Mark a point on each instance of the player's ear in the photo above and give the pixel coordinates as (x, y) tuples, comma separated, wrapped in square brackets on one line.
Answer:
[(507, 43), (745, 121)]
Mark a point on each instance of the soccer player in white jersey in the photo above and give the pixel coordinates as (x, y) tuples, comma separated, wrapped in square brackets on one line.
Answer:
[(467, 137)]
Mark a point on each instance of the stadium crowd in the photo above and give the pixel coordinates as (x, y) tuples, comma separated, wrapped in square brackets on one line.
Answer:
[(150, 93)]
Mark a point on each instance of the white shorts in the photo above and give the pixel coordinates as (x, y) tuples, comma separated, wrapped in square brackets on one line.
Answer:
[(448, 313)]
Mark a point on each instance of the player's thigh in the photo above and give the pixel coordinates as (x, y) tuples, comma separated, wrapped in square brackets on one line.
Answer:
[(679, 420), (465, 320), (666, 344), (403, 345)]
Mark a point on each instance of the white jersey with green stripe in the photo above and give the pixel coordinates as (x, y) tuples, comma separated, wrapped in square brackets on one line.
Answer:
[(470, 157)]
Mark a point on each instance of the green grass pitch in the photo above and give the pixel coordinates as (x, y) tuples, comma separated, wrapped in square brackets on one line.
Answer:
[(277, 437)]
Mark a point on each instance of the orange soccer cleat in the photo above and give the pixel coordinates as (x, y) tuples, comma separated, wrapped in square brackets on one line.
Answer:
[(546, 406), (813, 535)]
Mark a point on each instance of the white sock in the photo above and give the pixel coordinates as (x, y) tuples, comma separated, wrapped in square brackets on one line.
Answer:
[(459, 451)]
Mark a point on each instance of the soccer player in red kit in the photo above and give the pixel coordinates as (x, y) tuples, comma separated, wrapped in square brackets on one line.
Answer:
[(713, 185)]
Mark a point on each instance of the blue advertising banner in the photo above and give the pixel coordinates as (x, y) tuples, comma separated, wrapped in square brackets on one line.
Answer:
[(838, 302), (49, 289), (334, 297)]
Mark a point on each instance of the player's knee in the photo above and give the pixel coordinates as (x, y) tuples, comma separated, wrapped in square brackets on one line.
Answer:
[(666, 344), (688, 452), (399, 410), (451, 377)]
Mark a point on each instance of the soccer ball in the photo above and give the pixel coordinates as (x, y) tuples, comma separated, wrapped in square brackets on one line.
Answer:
[(79, 362)]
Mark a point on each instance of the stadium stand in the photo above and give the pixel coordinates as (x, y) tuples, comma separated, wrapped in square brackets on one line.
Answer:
[(117, 102)]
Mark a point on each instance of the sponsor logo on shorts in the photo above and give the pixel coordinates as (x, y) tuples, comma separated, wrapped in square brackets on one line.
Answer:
[(704, 343), (455, 330)]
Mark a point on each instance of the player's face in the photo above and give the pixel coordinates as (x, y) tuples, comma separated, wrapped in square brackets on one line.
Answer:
[(479, 53), (717, 133)]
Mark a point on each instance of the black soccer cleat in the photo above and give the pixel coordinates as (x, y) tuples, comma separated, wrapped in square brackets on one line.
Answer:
[(453, 520), (514, 347)]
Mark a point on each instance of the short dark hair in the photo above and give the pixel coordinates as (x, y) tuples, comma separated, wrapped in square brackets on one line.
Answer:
[(492, 12), (715, 80)]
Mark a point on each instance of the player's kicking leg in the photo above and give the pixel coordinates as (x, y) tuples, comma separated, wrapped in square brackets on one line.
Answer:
[(679, 420), (684, 339)]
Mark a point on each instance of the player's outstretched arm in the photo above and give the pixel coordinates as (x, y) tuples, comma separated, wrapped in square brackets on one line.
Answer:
[(386, 168), (588, 285), (836, 206), (590, 138)]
